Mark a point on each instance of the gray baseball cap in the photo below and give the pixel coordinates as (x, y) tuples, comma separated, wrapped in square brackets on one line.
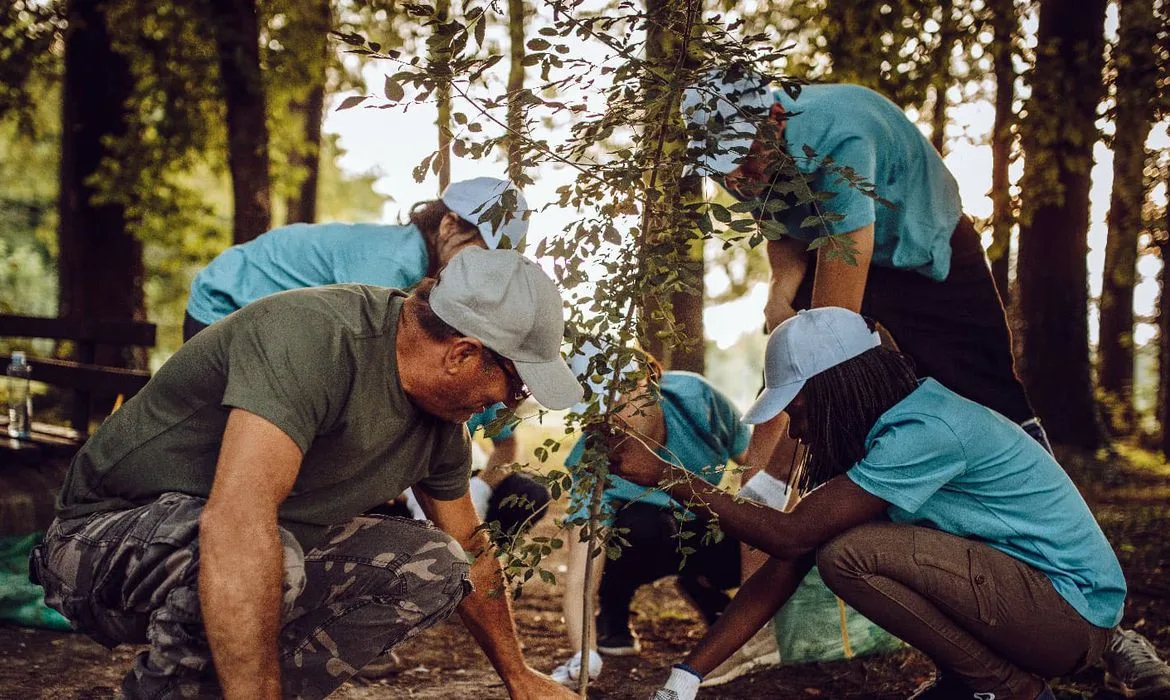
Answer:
[(510, 305), (727, 108), (484, 202), (809, 343)]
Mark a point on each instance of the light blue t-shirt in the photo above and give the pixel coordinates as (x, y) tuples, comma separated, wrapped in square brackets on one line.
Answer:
[(862, 130), (703, 431), (307, 255), (945, 462), (484, 419)]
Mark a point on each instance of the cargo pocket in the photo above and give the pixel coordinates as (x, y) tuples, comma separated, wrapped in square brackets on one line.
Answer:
[(983, 586)]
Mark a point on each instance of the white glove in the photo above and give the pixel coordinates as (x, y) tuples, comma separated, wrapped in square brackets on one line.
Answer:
[(683, 684), (568, 673), (412, 505), (767, 489)]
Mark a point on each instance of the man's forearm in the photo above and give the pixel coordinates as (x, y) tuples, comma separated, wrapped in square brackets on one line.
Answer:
[(487, 613), (240, 572)]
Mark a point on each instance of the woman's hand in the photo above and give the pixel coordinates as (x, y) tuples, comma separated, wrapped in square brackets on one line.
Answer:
[(631, 458)]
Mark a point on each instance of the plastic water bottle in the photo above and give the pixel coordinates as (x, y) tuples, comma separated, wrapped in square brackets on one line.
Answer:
[(19, 396)]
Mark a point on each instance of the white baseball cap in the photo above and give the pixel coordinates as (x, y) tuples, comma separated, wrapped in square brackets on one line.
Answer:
[(510, 305), (809, 343), (726, 106), (496, 207)]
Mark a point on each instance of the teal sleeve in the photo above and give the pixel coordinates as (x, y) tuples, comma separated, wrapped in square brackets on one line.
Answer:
[(855, 207), (484, 419), (909, 461)]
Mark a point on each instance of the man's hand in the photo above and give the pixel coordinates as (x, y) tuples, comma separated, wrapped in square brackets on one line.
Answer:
[(631, 458), (534, 685)]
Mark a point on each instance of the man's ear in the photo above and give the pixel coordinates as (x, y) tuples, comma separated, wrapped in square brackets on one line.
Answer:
[(462, 352)]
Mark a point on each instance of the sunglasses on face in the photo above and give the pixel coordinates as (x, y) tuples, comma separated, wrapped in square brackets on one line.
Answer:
[(518, 391)]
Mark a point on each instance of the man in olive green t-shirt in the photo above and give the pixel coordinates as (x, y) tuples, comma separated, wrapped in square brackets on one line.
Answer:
[(219, 514)]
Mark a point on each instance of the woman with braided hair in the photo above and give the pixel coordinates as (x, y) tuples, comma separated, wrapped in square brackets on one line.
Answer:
[(935, 517)]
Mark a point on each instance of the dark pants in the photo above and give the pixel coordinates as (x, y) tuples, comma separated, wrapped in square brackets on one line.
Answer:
[(653, 553), (518, 503), (983, 617), (515, 515), (191, 327), (132, 576), (955, 330)]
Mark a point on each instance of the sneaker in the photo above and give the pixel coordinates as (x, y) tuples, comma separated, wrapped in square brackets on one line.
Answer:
[(569, 673), (758, 652), (1132, 667), (941, 687), (616, 639)]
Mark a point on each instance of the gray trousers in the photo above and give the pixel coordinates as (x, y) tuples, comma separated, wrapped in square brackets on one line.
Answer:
[(132, 576), (984, 618)]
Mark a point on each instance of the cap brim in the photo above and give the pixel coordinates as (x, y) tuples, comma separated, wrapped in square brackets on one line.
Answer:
[(733, 153), (552, 384), (771, 402)]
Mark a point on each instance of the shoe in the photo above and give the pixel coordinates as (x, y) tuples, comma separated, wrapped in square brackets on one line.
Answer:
[(616, 639), (758, 652), (1132, 666), (386, 664), (941, 687), (568, 673)]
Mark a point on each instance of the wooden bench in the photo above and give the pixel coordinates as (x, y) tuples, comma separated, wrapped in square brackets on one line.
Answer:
[(31, 470)]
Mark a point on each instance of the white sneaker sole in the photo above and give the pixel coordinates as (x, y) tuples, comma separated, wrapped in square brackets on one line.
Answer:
[(742, 669)]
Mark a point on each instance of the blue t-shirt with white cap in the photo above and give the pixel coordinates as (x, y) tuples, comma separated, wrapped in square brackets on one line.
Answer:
[(703, 431), (307, 255), (944, 462), (861, 130)]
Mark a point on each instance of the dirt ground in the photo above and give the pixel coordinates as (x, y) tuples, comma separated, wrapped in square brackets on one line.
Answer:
[(1132, 502)]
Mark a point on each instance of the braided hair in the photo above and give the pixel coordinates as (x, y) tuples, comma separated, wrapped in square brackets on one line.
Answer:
[(844, 402)]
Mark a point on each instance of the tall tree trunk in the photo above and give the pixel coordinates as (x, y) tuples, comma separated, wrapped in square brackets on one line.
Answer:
[(942, 77), (237, 35), (439, 45), (100, 268), (1058, 137), (683, 347), (1005, 24), (1136, 75), (303, 207), (515, 116), (1164, 329)]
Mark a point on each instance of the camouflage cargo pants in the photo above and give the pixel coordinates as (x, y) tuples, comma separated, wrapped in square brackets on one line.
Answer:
[(132, 576)]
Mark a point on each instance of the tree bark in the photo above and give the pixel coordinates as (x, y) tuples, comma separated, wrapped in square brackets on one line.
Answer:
[(1005, 24), (515, 115), (1164, 329), (1058, 136), (237, 35), (1135, 83), (942, 78), (100, 268), (303, 206), (440, 47), (675, 335)]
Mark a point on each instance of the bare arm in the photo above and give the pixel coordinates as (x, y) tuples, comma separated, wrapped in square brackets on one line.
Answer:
[(757, 600), (829, 510), (788, 260), (839, 282), (503, 455), (241, 557), (487, 610)]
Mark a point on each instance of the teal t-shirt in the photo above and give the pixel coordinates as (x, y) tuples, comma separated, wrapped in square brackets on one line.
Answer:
[(862, 130), (703, 431), (307, 255), (485, 417), (945, 462)]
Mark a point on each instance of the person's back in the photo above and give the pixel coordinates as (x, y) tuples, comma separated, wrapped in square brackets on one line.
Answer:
[(862, 130), (307, 255), (949, 463), (334, 391)]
